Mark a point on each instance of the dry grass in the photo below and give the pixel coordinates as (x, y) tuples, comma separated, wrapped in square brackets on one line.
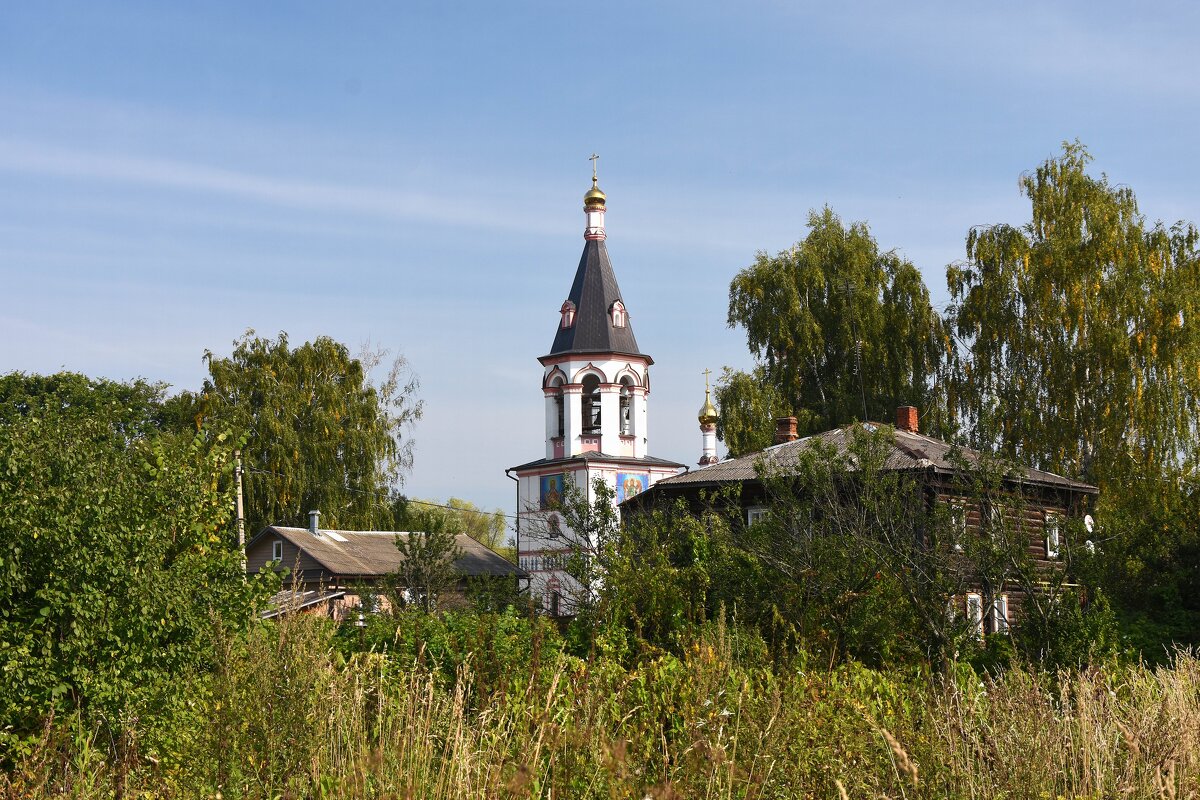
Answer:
[(287, 717)]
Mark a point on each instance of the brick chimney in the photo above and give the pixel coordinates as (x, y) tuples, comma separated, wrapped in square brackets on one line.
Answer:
[(785, 430), (906, 419)]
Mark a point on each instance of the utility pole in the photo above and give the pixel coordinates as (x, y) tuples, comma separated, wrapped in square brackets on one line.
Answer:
[(241, 517)]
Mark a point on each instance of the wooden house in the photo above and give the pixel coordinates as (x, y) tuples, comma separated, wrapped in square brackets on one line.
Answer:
[(329, 570), (1034, 503)]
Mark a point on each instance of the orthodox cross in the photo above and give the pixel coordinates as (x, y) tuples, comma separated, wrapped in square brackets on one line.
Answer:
[(593, 158), (707, 372)]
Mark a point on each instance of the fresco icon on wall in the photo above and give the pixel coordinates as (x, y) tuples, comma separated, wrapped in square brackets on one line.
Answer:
[(552, 487), (629, 484)]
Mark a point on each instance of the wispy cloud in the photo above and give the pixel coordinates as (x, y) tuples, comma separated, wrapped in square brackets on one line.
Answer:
[(389, 203)]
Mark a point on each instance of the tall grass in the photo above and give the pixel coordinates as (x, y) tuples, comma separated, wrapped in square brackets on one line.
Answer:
[(287, 715)]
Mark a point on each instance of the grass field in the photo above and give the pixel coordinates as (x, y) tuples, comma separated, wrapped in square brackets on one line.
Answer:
[(493, 707)]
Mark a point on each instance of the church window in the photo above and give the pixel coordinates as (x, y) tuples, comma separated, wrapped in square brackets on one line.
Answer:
[(568, 314), (591, 404), (626, 408), (554, 526), (618, 314)]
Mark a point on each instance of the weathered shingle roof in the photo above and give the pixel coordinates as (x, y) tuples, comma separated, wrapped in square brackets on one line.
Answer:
[(593, 292), (374, 553), (910, 451)]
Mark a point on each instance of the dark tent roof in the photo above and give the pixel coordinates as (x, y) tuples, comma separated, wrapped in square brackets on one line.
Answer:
[(593, 292)]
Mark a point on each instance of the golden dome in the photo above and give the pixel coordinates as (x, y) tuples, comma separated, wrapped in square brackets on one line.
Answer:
[(594, 196), (708, 413)]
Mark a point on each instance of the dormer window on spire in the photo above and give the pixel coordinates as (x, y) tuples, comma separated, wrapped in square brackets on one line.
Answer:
[(568, 314), (618, 314)]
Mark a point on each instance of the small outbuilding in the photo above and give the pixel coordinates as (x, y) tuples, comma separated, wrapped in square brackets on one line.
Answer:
[(330, 569)]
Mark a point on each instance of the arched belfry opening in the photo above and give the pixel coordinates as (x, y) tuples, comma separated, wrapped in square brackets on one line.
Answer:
[(626, 406), (590, 416), (560, 407)]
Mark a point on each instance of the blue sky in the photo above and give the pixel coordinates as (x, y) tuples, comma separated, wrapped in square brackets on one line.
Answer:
[(410, 175)]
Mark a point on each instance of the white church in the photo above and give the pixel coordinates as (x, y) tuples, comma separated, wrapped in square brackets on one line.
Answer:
[(596, 385)]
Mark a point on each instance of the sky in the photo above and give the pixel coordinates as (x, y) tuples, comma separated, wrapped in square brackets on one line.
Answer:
[(410, 175)]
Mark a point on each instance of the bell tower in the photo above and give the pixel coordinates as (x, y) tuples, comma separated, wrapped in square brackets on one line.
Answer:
[(595, 387)]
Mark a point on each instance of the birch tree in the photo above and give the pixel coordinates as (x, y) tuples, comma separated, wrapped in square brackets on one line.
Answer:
[(839, 330)]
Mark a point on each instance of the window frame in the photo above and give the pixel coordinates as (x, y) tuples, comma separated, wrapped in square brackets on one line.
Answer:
[(277, 550), (756, 513), (1000, 621), (1052, 534), (975, 613)]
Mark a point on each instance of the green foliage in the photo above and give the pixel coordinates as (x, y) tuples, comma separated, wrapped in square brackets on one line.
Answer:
[(426, 569), (485, 706), (455, 515), (656, 575), (1080, 355), (861, 563), (320, 434), (591, 517), (1073, 633), (835, 325), (749, 405), (117, 566), (132, 410)]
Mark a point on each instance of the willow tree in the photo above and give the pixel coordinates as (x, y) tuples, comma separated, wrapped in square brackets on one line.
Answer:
[(1080, 353), (319, 433), (840, 332)]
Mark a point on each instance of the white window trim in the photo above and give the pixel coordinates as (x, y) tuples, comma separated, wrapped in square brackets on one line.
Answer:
[(1000, 614), (975, 613), (958, 523), (1053, 530), (277, 550), (756, 513)]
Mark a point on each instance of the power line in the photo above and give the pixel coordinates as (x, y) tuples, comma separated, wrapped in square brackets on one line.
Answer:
[(386, 496)]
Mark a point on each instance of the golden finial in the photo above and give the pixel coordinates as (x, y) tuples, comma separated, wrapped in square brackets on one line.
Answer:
[(708, 413), (594, 197)]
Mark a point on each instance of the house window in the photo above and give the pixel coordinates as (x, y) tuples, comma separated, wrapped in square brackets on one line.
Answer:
[(568, 314), (555, 602), (626, 407), (591, 404), (618, 314), (1052, 535), (958, 525), (996, 522), (1000, 614), (975, 614), (277, 550), (755, 514)]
